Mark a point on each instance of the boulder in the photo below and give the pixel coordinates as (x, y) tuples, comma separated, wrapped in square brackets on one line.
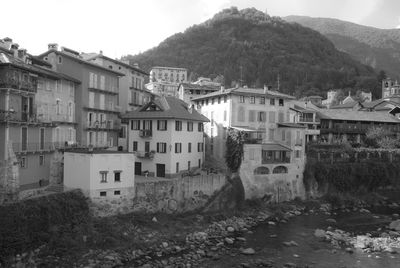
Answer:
[(395, 225), (319, 233)]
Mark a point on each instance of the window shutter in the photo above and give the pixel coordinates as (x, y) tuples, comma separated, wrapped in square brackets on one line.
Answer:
[(151, 124), (158, 147), (166, 124), (158, 124)]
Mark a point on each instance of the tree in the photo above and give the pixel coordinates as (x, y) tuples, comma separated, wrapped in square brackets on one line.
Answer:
[(339, 97), (234, 149), (378, 137)]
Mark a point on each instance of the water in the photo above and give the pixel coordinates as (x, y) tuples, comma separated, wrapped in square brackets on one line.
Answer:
[(311, 251)]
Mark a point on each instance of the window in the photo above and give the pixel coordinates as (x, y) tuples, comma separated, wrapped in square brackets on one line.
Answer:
[(225, 115), (117, 176), (200, 127), (189, 147), (297, 153), (147, 124), (23, 163), (162, 125), (212, 101), (225, 99), (41, 139), (206, 101), (59, 59), (219, 100), (188, 165), (135, 146), (178, 147), (272, 117), (102, 82), (189, 126), (177, 167), (280, 169), (241, 114), (262, 100), (283, 135), (135, 124), (58, 110), (271, 134), (178, 125), (252, 99), (281, 102), (24, 137), (261, 171), (261, 117), (91, 99), (252, 116), (241, 99), (41, 160), (117, 192), (161, 147), (199, 163), (92, 80), (103, 176), (281, 117), (200, 147), (272, 101), (104, 193), (212, 118), (251, 154)]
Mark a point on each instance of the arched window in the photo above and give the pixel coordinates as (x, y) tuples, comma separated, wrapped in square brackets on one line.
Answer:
[(280, 169), (261, 171)]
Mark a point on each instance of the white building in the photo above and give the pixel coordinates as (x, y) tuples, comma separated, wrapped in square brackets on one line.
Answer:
[(166, 136), (168, 74), (100, 174), (274, 149)]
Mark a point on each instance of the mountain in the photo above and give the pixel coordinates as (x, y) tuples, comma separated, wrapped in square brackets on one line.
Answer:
[(251, 46), (379, 48)]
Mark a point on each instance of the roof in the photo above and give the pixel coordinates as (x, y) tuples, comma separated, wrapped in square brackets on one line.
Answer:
[(95, 151), (246, 91), (347, 105), (312, 97), (357, 116), (164, 67), (302, 109), (167, 108), (275, 147), (80, 60), (91, 56), (191, 86), (247, 129), (291, 125)]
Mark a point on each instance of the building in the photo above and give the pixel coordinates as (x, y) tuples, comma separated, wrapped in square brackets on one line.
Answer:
[(96, 98), (27, 141), (188, 91), (390, 88), (132, 92), (164, 81), (166, 136), (100, 174), (163, 88), (330, 97), (304, 114), (341, 125), (274, 149)]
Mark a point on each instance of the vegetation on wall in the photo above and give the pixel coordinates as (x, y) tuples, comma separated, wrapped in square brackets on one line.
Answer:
[(378, 137), (234, 149), (250, 47)]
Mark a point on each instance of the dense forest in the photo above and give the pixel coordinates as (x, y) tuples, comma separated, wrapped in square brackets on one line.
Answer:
[(379, 48), (251, 48)]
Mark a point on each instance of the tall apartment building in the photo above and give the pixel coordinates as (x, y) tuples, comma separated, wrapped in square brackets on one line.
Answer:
[(97, 102), (26, 129), (164, 81), (273, 144), (166, 136)]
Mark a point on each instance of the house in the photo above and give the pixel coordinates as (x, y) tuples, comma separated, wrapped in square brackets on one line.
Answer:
[(274, 147), (390, 88), (166, 136), (351, 126), (164, 81), (96, 98), (26, 134), (100, 174), (187, 91), (132, 93), (303, 114)]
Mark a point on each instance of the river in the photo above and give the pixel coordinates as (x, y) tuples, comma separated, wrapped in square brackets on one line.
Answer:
[(267, 240)]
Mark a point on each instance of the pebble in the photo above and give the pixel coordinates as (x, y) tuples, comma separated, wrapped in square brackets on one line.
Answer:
[(271, 223), (273, 236), (230, 229), (331, 220), (229, 240), (248, 251)]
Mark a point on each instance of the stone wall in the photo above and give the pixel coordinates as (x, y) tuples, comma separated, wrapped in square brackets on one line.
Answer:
[(9, 177), (56, 168)]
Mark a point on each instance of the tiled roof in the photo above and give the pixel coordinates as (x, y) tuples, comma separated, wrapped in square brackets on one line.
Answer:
[(190, 86), (357, 116), (347, 105), (170, 108), (246, 91)]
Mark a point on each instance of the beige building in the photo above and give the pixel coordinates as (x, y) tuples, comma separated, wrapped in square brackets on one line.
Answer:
[(166, 136), (274, 150)]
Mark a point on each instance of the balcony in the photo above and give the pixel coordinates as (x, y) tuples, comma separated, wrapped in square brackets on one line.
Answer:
[(248, 140), (32, 147), (28, 86), (145, 133), (105, 91), (147, 155), (283, 160)]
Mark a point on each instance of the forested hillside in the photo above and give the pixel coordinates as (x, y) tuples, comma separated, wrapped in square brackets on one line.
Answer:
[(251, 45)]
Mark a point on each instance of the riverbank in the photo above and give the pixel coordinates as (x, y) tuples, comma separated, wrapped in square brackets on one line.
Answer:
[(211, 240)]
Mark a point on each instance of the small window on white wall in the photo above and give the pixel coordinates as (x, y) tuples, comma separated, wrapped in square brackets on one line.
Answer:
[(58, 106)]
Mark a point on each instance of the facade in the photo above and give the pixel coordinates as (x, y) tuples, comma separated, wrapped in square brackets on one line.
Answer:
[(188, 91), (166, 136), (164, 81), (100, 174), (27, 142), (339, 125), (305, 115), (390, 88), (132, 93), (273, 144), (97, 103), (163, 88)]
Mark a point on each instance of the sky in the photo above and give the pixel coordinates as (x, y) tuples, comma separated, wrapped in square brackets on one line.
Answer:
[(122, 27)]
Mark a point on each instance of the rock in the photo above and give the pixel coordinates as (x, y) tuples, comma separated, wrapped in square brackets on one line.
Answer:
[(271, 223), (395, 225), (395, 215), (230, 229), (297, 213), (229, 241), (245, 265), (331, 220), (319, 233), (273, 236), (349, 250), (241, 239), (363, 210), (363, 241), (290, 244), (164, 244), (290, 265), (248, 251), (154, 219), (296, 256)]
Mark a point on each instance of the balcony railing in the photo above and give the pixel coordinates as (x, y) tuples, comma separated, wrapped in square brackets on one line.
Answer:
[(8, 82), (18, 116), (143, 154), (32, 147), (283, 160), (253, 140), (145, 133)]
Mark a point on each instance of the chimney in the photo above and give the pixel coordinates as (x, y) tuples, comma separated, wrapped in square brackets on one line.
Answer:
[(136, 65), (265, 89), (101, 52), (14, 48), (22, 54), (222, 88), (7, 42), (53, 46)]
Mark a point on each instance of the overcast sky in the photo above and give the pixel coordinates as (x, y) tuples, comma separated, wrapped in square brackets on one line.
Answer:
[(122, 27)]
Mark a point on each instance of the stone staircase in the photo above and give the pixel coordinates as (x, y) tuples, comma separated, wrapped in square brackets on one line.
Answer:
[(55, 188)]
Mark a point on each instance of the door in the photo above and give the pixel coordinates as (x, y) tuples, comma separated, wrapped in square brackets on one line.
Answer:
[(138, 168), (160, 170)]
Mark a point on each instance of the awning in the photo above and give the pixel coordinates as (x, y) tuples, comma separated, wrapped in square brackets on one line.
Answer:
[(248, 129), (275, 147)]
